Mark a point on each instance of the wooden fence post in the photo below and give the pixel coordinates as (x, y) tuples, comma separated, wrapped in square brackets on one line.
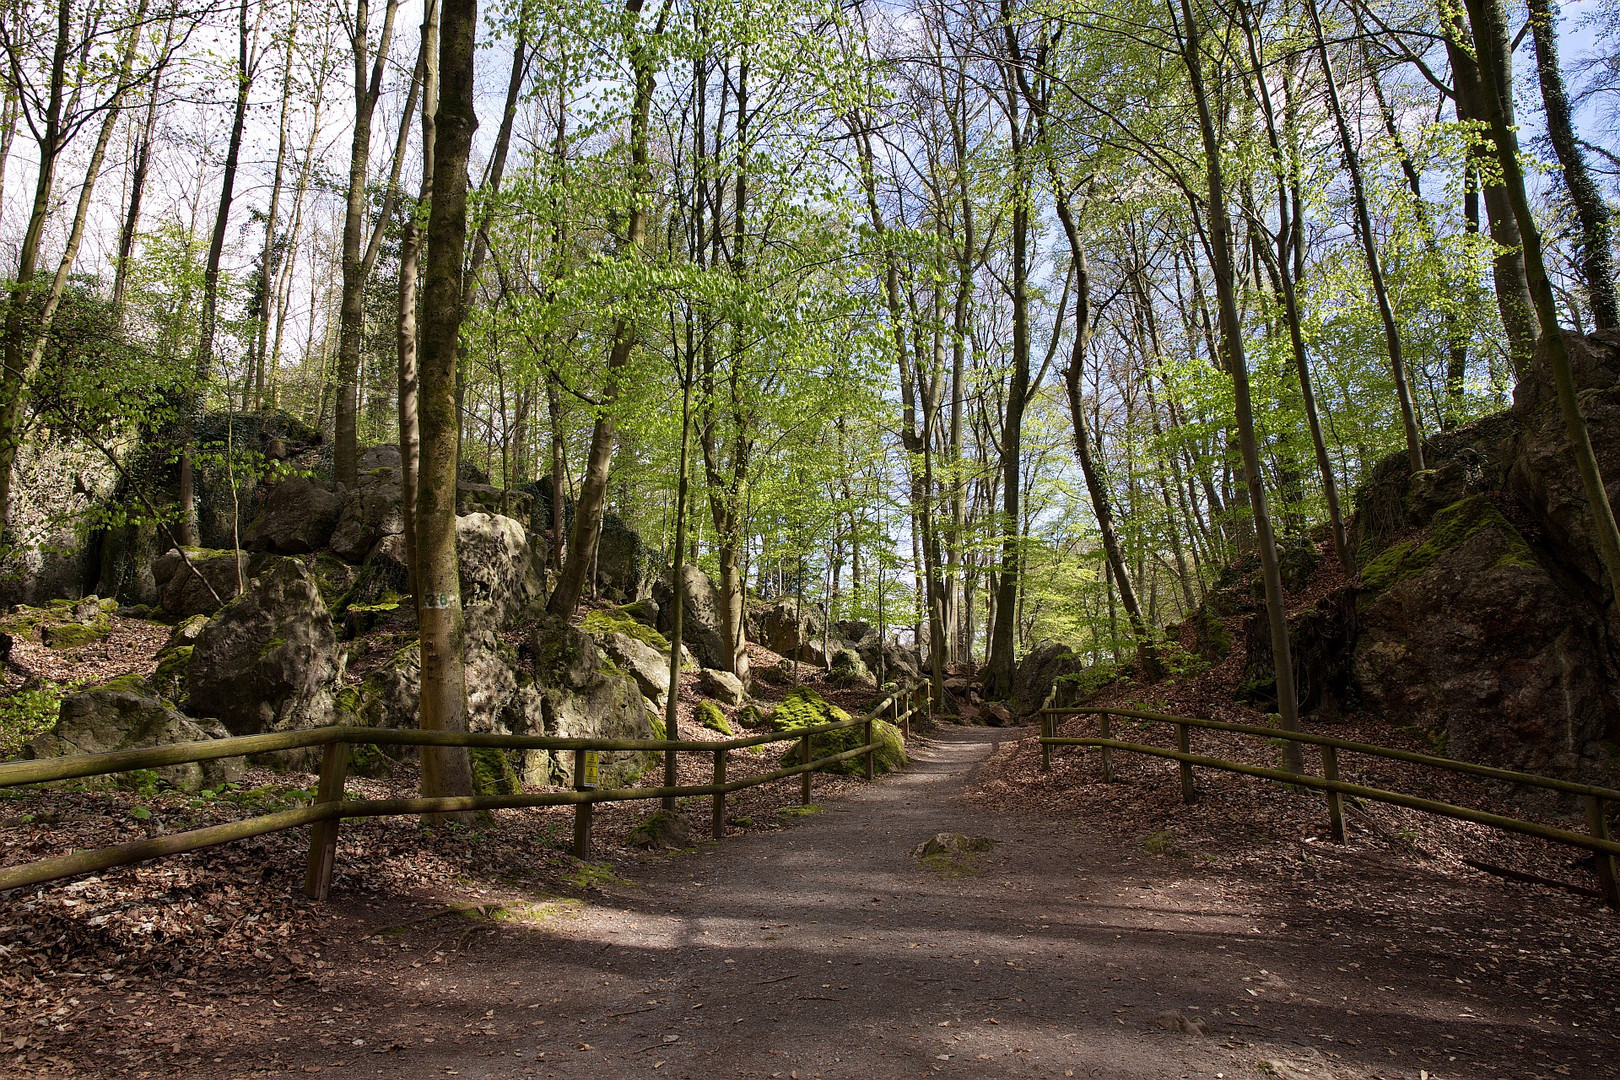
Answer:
[(323, 835), (719, 796), (1330, 771), (1189, 793), (804, 759), (1048, 722), (1105, 726), (582, 812), (870, 752), (1598, 824)]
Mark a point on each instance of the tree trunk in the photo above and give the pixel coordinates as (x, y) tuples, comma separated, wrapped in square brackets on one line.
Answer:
[(410, 251), (1594, 215), (13, 380), (593, 486), (1369, 246), (351, 313), (1220, 231), (445, 770), (1511, 280), (210, 308)]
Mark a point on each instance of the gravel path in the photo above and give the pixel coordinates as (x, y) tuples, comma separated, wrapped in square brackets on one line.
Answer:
[(826, 950)]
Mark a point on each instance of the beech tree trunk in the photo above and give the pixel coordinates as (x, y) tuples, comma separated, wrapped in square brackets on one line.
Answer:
[(1596, 220), (593, 486), (1220, 238), (445, 770)]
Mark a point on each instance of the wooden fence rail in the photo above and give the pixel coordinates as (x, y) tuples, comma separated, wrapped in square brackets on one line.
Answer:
[(1596, 840), (330, 807)]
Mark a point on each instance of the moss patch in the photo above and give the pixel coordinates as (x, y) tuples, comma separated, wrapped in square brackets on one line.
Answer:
[(617, 621), (889, 755), (492, 771), (803, 707), (1448, 529), (169, 680), (713, 717)]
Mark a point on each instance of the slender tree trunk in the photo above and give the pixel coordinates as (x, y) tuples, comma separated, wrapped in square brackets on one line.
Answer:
[(17, 345), (1594, 215), (410, 251), (139, 170), (204, 367), (1220, 232), (15, 404), (1369, 246), (367, 88), (1096, 483), (593, 487), (10, 109), (445, 770)]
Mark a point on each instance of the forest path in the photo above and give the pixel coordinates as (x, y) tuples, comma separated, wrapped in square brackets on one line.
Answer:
[(824, 950)]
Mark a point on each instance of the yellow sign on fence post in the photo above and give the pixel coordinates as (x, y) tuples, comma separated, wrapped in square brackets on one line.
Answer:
[(586, 780)]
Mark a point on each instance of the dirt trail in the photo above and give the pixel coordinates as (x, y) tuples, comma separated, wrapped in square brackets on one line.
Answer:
[(826, 950)]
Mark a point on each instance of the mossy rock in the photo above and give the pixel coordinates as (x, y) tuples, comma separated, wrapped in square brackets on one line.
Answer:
[(659, 730), (713, 717), (71, 635), (616, 621), (1214, 639), (644, 612), (493, 772), (333, 578), (370, 762), (889, 755), (663, 830), (1450, 528), (749, 716), (169, 680), (803, 707)]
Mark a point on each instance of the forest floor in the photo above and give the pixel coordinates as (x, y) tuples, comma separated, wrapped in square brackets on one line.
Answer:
[(1076, 946)]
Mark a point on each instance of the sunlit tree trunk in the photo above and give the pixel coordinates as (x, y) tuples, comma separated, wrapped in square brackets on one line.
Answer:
[(445, 770)]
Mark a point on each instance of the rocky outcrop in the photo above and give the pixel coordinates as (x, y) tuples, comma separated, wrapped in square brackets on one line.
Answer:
[(1471, 635), (1481, 615), (127, 714), (499, 567), (702, 628), (576, 694), (371, 510), (1038, 670), (625, 567), (268, 661), (49, 553), (804, 636), (298, 516), (212, 579)]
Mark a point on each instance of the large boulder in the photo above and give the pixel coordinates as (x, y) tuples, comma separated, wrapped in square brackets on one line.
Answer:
[(217, 580), (483, 498), (702, 626), (625, 567), (722, 686), (801, 635), (269, 660), (298, 517), (371, 510), (1468, 633), (127, 714), (576, 694), (1038, 670), (500, 567)]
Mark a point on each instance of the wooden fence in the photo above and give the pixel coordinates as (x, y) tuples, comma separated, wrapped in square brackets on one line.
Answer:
[(1596, 840), (330, 807)]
